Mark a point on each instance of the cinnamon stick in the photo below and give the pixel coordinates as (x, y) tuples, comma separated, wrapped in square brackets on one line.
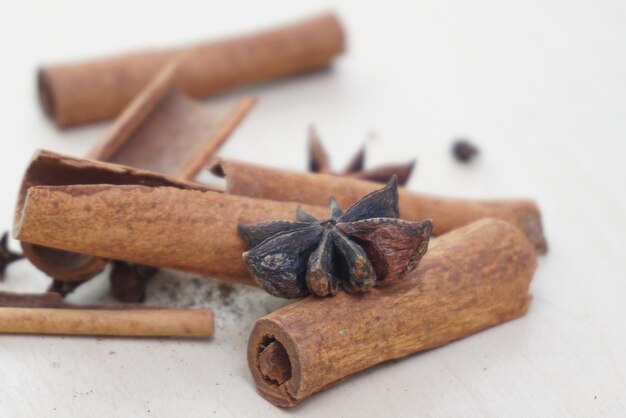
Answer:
[(49, 314), (471, 279), (256, 181), (95, 90), (132, 215), (161, 130), (53, 169), (166, 132)]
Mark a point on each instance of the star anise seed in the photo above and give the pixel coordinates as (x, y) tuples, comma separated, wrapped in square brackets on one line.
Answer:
[(356, 250), (319, 162), (464, 151), (6, 255)]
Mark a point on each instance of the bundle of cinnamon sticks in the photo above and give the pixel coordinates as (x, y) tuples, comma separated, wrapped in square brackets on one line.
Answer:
[(134, 199)]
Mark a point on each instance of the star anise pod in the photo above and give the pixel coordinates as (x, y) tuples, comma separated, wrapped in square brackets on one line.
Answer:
[(6, 255), (319, 162), (365, 246), (129, 281)]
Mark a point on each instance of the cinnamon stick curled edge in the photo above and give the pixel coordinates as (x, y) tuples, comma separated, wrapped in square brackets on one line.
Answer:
[(470, 279), (261, 182), (95, 90)]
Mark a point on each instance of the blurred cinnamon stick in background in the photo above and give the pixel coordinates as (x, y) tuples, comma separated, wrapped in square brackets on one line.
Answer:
[(91, 91), (471, 279), (261, 182)]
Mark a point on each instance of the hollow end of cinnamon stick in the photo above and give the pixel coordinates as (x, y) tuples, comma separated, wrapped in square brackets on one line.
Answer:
[(63, 265), (471, 279)]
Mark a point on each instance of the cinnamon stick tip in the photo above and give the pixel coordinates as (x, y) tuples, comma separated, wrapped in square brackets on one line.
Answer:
[(46, 95), (337, 21), (530, 222)]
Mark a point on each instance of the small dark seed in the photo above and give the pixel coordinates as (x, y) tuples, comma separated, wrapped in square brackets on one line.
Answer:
[(463, 150)]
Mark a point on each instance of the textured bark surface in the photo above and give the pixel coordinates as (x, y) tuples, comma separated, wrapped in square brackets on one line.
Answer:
[(447, 213), (161, 130), (164, 223), (48, 168), (90, 91), (135, 322), (48, 313), (164, 131), (471, 279)]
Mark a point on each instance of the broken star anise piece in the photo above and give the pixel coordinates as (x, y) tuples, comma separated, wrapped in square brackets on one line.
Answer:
[(365, 246), (6, 255)]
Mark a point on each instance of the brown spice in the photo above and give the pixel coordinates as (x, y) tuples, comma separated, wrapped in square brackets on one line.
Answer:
[(473, 278), (128, 281), (261, 182), (48, 313), (464, 151), (86, 92), (319, 162), (161, 130), (140, 217), (274, 363), (365, 246)]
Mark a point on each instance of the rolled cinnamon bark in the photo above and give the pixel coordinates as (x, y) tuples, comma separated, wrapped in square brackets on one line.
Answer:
[(160, 130), (130, 322), (470, 279), (132, 215), (166, 132), (90, 91), (447, 213), (48, 313), (48, 168)]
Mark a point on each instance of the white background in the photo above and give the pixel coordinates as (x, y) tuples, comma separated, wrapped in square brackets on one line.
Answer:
[(539, 85)]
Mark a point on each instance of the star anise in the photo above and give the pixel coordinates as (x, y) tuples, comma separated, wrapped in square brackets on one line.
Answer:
[(365, 246), (6, 255), (319, 162), (129, 281)]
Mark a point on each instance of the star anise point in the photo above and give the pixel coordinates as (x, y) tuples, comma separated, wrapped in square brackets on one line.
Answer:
[(319, 162)]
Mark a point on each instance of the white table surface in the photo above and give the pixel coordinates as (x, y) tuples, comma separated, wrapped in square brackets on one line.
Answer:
[(539, 85)]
